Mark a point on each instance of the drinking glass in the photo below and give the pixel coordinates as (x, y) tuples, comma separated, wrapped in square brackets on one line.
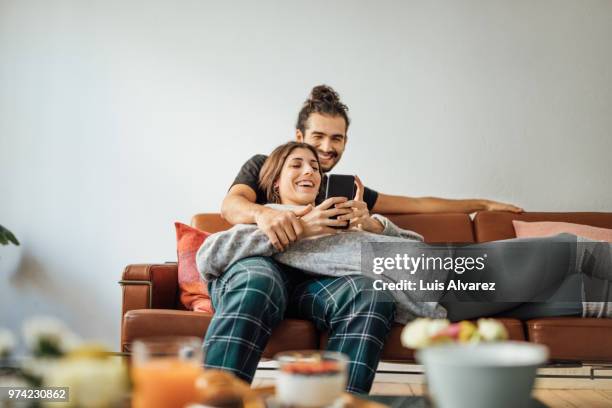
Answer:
[(164, 371)]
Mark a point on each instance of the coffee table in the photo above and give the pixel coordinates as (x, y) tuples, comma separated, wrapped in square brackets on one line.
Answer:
[(364, 401)]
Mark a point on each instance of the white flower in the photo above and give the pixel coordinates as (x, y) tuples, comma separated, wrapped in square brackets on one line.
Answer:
[(491, 330), (437, 325), (417, 334), (71, 341), (13, 381), (7, 342), (38, 367), (46, 335), (92, 382)]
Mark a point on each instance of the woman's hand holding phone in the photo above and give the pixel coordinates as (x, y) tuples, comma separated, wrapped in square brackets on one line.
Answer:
[(318, 221), (359, 216)]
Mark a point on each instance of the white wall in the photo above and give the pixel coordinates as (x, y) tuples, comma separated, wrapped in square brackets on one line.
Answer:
[(118, 118)]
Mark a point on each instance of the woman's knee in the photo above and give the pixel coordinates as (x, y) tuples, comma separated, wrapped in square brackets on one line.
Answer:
[(257, 286), (364, 298)]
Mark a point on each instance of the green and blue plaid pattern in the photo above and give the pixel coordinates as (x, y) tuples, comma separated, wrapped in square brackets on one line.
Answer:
[(253, 296)]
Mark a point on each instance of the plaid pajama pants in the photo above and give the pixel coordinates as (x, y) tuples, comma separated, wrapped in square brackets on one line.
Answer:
[(254, 295)]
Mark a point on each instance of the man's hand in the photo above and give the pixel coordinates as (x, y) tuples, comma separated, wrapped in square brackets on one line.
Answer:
[(318, 221), (281, 227), (359, 217), (497, 206), (388, 204)]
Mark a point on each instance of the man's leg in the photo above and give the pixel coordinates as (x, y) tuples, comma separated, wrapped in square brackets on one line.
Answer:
[(357, 317), (250, 299)]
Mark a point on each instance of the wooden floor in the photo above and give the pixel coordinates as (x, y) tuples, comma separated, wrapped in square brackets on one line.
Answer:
[(574, 398), (553, 392)]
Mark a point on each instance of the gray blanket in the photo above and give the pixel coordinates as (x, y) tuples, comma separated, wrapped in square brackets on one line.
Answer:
[(331, 255)]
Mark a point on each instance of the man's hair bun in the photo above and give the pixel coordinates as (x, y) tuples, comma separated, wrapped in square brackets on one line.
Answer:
[(324, 93), (323, 99)]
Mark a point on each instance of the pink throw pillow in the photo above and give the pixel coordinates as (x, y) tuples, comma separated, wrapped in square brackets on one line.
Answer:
[(193, 290), (547, 228)]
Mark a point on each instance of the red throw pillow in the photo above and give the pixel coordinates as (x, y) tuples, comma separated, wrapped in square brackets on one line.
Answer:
[(194, 292)]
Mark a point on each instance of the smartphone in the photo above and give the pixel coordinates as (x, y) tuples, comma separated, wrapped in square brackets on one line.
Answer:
[(340, 185)]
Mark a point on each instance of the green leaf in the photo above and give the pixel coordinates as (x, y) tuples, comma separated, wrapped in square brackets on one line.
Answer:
[(7, 236), (12, 238), (47, 348)]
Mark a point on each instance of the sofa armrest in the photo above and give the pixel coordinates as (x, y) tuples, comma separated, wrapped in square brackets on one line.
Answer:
[(149, 286)]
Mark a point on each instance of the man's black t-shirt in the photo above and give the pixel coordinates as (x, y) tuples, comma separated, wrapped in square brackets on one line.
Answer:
[(249, 175)]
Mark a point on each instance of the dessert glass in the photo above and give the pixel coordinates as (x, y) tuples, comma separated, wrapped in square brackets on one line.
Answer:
[(311, 378)]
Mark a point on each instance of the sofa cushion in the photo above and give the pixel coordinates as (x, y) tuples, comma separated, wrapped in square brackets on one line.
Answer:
[(291, 334), (194, 291), (572, 338), (493, 226)]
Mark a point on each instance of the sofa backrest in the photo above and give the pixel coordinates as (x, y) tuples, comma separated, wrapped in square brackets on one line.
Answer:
[(434, 227), (487, 225), (437, 227), (210, 222), (494, 226)]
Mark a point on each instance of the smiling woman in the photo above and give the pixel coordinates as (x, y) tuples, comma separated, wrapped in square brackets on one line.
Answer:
[(292, 171)]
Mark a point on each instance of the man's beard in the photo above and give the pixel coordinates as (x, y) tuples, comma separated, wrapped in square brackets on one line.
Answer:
[(334, 159)]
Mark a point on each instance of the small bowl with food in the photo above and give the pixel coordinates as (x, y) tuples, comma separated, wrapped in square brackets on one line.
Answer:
[(311, 378)]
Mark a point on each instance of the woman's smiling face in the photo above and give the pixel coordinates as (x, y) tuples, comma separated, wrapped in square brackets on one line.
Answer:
[(300, 178)]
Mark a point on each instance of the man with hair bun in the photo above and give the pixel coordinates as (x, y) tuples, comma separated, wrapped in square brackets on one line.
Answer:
[(245, 297), (323, 123)]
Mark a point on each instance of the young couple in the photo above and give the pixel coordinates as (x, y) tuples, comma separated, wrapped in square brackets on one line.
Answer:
[(257, 291)]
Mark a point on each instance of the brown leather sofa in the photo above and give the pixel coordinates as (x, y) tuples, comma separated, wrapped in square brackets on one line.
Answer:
[(151, 305)]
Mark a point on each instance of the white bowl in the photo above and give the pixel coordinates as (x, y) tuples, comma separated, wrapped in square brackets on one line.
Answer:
[(482, 375)]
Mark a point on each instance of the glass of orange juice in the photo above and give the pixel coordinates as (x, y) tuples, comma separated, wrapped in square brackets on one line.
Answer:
[(164, 370)]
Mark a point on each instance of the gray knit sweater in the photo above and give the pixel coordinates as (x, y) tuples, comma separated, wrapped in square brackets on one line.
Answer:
[(331, 255)]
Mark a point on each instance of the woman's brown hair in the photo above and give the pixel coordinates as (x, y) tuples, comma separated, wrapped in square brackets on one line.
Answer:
[(273, 166)]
